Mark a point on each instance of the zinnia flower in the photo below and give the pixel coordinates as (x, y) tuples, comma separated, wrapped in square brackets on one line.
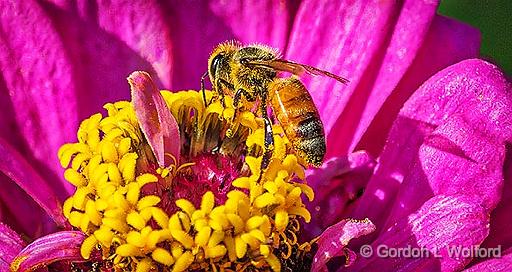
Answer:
[(417, 142)]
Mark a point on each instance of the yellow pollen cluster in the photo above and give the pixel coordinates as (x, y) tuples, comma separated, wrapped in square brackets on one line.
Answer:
[(134, 233)]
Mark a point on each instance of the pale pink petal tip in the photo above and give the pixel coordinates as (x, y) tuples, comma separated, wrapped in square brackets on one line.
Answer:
[(60, 246), (333, 241), (156, 121)]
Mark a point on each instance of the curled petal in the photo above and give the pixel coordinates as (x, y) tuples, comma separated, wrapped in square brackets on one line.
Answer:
[(60, 246), (156, 121), (440, 230), (500, 234), (10, 245), (461, 116), (333, 241), (455, 149)]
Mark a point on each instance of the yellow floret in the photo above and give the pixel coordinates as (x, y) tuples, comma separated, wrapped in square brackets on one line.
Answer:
[(134, 229)]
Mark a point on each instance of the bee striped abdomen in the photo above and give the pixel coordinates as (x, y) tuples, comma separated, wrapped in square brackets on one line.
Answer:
[(297, 114)]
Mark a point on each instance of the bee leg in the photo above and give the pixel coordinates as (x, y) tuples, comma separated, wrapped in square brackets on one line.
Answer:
[(220, 90), (203, 90), (238, 96), (268, 146), (268, 142)]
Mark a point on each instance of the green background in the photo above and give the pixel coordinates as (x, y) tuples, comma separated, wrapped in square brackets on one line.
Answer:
[(494, 20)]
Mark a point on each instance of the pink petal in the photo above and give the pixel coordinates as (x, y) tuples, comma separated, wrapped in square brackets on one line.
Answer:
[(471, 159), (441, 226), (468, 108), (60, 246), (21, 212), (403, 39), (9, 130), (337, 183), (156, 121), (38, 77), (499, 264), (198, 26), (14, 166), (10, 245), (333, 241), (446, 43), (384, 49), (343, 37), (135, 30)]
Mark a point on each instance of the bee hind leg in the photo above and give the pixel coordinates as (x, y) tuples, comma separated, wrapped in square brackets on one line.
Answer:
[(268, 141), (268, 146)]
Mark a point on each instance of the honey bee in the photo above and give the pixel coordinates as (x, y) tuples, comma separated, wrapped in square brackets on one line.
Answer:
[(252, 72)]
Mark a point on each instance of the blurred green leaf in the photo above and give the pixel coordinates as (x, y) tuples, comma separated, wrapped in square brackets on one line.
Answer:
[(493, 18)]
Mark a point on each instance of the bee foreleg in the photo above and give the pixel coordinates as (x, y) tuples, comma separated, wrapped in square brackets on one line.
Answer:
[(238, 96), (220, 83)]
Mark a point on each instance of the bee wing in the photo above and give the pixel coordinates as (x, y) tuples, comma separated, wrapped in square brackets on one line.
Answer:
[(295, 68)]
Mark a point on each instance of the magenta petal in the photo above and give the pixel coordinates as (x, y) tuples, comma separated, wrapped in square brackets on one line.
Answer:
[(472, 160), (333, 241), (198, 26), (500, 234), (470, 103), (269, 27), (105, 42), (38, 75), (440, 226), (60, 246), (156, 121), (502, 263), (343, 37), (16, 205), (337, 183), (138, 26), (447, 42), (474, 89), (10, 245), (405, 36), (13, 165)]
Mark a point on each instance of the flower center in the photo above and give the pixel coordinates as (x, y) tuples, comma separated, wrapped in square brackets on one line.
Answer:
[(217, 210)]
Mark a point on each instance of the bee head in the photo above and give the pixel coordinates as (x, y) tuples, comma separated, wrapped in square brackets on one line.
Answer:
[(218, 63)]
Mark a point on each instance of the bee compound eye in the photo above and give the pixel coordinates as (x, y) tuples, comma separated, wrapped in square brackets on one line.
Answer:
[(215, 64)]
